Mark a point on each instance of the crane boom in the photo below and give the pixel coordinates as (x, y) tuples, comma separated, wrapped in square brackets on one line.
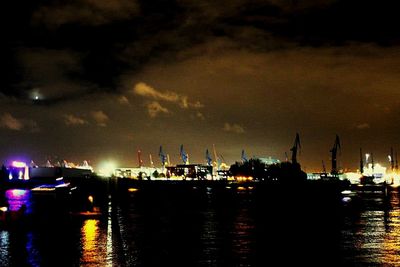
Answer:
[(296, 147)]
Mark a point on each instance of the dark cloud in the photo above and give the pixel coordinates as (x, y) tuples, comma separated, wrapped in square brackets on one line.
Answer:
[(87, 12), (105, 39)]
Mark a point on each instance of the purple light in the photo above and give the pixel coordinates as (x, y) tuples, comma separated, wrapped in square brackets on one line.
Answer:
[(17, 198), (18, 164), (17, 193)]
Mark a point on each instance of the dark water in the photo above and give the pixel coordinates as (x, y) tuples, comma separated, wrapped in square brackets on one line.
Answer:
[(207, 228)]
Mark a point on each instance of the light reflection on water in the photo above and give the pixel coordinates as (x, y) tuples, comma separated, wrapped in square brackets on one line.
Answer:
[(96, 243), (4, 248), (17, 198), (162, 230), (90, 234), (242, 236), (374, 238)]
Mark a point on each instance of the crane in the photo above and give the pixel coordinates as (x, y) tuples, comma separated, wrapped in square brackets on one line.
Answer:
[(168, 160), (361, 162), (336, 147), (162, 156), (296, 147), (244, 157), (217, 160), (391, 158), (151, 161), (184, 156), (323, 168), (208, 158), (139, 155)]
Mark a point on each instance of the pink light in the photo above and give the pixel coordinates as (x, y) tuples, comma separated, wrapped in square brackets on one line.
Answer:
[(18, 164), (16, 193)]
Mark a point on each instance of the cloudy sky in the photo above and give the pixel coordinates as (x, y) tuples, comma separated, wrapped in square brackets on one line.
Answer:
[(97, 79)]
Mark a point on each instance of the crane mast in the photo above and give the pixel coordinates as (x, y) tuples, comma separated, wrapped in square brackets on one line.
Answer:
[(139, 155), (391, 159), (208, 158), (296, 147), (361, 162), (162, 156), (184, 155), (334, 151)]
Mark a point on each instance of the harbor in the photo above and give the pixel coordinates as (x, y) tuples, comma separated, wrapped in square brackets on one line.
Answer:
[(200, 133), (197, 214)]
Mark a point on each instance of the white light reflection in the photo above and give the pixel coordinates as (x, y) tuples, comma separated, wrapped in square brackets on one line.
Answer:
[(4, 247), (109, 244)]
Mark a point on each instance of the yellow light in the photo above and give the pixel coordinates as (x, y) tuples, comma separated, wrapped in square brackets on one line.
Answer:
[(241, 188), (90, 198), (3, 209), (90, 232), (132, 189)]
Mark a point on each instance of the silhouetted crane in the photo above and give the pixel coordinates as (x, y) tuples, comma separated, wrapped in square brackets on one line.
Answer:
[(334, 151), (162, 156), (323, 168), (361, 162), (296, 147)]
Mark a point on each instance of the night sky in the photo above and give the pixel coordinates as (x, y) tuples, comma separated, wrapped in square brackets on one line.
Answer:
[(96, 79)]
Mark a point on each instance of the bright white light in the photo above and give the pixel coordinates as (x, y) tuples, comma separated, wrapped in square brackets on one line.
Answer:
[(107, 168), (378, 171), (35, 94)]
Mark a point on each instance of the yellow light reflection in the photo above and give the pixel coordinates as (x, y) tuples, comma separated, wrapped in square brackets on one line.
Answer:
[(243, 178), (89, 231), (391, 243)]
